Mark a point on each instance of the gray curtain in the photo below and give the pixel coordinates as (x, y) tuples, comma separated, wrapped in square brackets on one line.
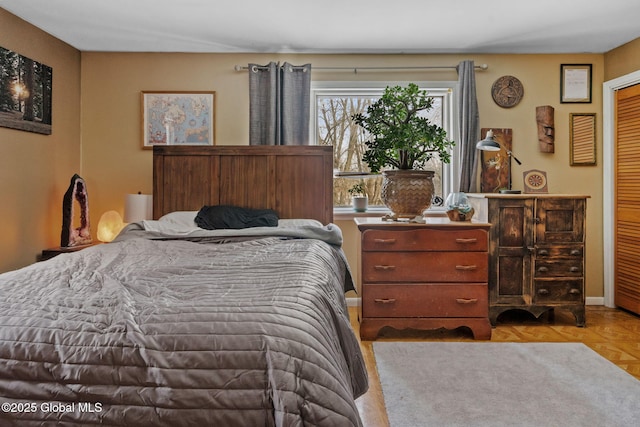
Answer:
[(469, 121), (279, 101)]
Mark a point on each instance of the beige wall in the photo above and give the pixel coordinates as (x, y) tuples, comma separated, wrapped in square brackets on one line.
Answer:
[(114, 164), (35, 169), (622, 60)]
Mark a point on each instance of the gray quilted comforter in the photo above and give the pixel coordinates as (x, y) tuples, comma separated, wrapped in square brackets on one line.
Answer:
[(155, 332)]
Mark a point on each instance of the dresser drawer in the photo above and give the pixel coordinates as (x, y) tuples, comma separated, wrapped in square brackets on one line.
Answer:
[(425, 240), (560, 251), (424, 267), (559, 268), (433, 300), (558, 291)]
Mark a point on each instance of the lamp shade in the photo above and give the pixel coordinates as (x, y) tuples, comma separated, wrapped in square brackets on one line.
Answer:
[(488, 143), (138, 207)]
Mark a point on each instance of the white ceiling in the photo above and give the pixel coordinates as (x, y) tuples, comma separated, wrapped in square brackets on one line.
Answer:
[(336, 26)]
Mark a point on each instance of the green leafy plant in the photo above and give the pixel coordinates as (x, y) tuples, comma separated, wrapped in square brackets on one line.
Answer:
[(400, 137), (357, 189)]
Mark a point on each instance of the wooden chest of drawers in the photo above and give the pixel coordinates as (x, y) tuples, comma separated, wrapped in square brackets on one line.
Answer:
[(424, 276), (536, 252)]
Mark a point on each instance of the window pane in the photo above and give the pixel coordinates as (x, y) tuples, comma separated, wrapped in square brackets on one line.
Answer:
[(336, 128)]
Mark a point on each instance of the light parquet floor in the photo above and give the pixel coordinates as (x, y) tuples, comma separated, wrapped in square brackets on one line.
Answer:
[(613, 333)]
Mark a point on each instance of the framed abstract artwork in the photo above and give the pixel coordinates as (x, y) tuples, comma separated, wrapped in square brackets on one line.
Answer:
[(178, 118)]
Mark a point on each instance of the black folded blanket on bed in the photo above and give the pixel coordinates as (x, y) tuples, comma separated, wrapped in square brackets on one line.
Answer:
[(218, 217)]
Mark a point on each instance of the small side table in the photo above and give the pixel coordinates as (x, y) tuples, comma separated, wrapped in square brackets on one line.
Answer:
[(52, 252)]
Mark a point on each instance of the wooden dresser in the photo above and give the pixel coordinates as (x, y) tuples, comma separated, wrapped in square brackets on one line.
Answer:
[(536, 252), (423, 276)]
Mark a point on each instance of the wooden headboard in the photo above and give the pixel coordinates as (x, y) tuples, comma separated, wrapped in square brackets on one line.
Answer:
[(295, 181)]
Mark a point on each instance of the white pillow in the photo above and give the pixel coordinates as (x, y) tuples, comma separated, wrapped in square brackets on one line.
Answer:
[(184, 218)]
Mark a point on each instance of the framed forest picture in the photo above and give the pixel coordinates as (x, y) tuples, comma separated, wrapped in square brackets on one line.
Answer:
[(25, 93)]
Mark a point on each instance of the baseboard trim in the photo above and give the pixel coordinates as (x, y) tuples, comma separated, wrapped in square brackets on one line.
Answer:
[(355, 301), (594, 301)]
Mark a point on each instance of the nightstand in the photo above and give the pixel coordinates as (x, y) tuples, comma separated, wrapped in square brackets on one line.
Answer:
[(52, 252), (424, 275)]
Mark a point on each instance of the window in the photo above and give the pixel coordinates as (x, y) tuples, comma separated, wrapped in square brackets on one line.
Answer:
[(333, 105)]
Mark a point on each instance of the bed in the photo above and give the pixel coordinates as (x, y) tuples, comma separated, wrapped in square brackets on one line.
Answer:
[(175, 325)]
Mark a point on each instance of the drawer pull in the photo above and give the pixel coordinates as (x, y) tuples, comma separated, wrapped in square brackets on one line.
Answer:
[(384, 300), (466, 267), (574, 269), (575, 252), (543, 269), (543, 252), (385, 267), (469, 240), (466, 300), (384, 241), (574, 291), (543, 291)]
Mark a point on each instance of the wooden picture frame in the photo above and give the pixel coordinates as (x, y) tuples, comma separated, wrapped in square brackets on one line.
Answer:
[(582, 139), (575, 83), (178, 118)]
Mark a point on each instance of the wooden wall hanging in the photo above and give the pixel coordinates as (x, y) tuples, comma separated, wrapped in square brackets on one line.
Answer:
[(495, 164), (546, 128), (582, 139)]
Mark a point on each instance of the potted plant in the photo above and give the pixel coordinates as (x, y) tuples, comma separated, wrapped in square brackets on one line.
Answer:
[(403, 140), (359, 198)]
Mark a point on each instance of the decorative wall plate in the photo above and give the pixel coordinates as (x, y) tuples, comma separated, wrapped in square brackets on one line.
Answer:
[(507, 91), (535, 181)]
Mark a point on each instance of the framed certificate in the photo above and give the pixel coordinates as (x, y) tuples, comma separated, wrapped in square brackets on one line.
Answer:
[(575, 83)]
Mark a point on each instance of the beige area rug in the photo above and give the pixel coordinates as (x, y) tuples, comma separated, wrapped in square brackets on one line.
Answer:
[(504, 384)]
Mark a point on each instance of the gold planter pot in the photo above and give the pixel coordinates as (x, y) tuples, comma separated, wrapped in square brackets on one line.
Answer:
[(407, 193)]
